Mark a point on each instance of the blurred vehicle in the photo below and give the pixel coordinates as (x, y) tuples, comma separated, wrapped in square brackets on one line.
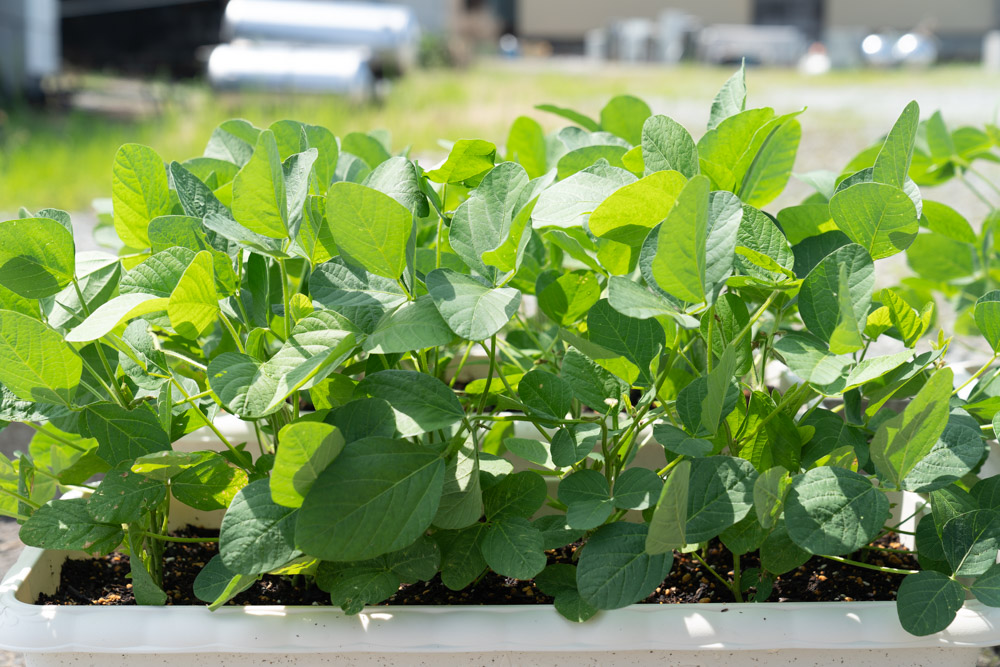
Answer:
[(889, 49)]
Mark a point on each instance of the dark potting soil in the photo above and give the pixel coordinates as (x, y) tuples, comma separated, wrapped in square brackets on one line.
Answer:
[(102, 581)]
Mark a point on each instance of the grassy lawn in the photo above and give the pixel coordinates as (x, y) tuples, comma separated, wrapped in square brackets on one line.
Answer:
[(63, 159)]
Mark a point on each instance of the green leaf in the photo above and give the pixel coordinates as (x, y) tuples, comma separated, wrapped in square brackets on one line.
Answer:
[(359, 296), (139, 193), (366, 147), (592, 385), (680, 263), (526, 146), (637, 489), (698, 403), (194, 303), (124, 435), (210, 484), (769, 493), (260, 201), (364, 417), (124, 496), (903, 441), (778, 553), (831, 510), (109, 315), (987, 316), (808, 357), (519, 494), (217, 584), (461, 497), (945, 220), (397, 177), (257, 535), (720, 494), (730, 100), (583, 157), (232, 141), (758, 233), (66, 524), (307, 448), (614, 569), (35, 364), (764, 170), (422, 403), (559, 581), (927, 602), (632, 299), (573, 116), (569, 297), (667, 528), (587, 495), (472, 309), (667, 145), (937, 257), (970, 542), (624, 116), (529, 449), (37, 257), (512, 547), (893, 162), (879, 217), (371, 228), (415, 325), (468, 158), (628, 214), (572, 444), (461, 559), (678, 442), (639, 341), (144, 588), (315, 239), (836, 295), (546, 394), (567, 203), (391, 479), (986, 587)]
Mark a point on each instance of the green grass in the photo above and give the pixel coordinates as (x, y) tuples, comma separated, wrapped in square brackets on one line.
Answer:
[(63, 160)]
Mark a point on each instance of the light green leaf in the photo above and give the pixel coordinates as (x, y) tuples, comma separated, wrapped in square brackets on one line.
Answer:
[(570, 296), (809, 358), (831, 510), (513, 548), (260, 202), (581, 158), (945, 220), (471, 308), (879, 217), (210, 484), (893, 162), (667, 527), (370, 227), (624, 116), (391, 479), (769, 492), (720, 494), (614, 569), (758, 233), (987, 316), (415, 325), (927, 602), (805, 221), (422, 403), (632, 299), (35, 364), (257, 535), (109, 315), (571, 115), (639, 341), (139, 193), (679, 266), (903, 441), (568, 202), (194, 303), (764, 169), (628, 214), (730, 100), (526, 146), (667, 145), (937, 257), (37, 257), (307, 448), (233, 141), (359, 296), (468, 158)]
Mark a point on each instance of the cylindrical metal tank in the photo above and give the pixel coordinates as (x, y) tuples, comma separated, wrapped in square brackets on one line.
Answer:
[(390, 32), (282, 67)]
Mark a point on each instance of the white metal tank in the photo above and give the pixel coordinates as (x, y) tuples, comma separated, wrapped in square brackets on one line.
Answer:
[(391, 32), (283, 67)]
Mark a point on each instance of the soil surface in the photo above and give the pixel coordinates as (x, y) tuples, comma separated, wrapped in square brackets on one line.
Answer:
[(103, 581)]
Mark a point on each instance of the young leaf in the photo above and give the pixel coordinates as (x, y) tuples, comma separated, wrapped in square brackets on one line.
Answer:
[(526, 146), (37, 257), (764, 170), (614, 569), (588, 497), (194, 303), (307, 448), (139, 193), (667, 145), (109, 315), (836, 295), (970, 542), (566, 203), (260, 202), (667, 527), (987, 316), (471, 308), (879, 217), (257, 535), (628, 214), (370, 228), (892, 165), (680, 262), (730, 100), (35, 363), (571, 115), (468, 158), (210, 484), (374, 476)]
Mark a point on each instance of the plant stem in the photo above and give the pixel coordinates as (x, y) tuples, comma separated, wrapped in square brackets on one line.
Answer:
[(697, 557), (27, 501), (737, 586), (100, 351), (58, 438), (187, 360), (461, 364), (208, 422), (756, 316), (869, 566), (171, 538), (489, 374), (285, 299), (977, 374), (232, 332)]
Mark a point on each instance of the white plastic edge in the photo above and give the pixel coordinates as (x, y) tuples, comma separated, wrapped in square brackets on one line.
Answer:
[(458, 629)]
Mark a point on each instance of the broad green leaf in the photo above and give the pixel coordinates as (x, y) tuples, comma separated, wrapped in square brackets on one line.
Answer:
[(936, 257), (758, 233), (903, 441), (893, 162), (124, 496), (516, 495), (986, 587), (720, 494), (729, 316), (581, 158), (555, 532), (513, 548), (679, 266), (927, 602), (879, 217), (572, 444), (397, 177), (366, 147), (724, 149), (667, 145), (696, 397), (567, 203), (66, 524), (778, 553), (194, 304), (371, 228), (37, 257), (809, 358), (805, 221), (614, 569), (461, 497), (835, 297), (559, 581), (422, 403), (639, 341), (257, 535), (259, 197), (944, 220), (359, 296), (109, 315), (233, 141), (315, 239), (624, 116), (569, 297), (98, 274), (529, 449), (765, 168), (468, 158), (970, 542), (718, 381), (571, 115), (628, 214), (196, 198), (592, 385), (588, 498), (306, 449), (209, 485), (546, 394), (35, 364), (987, 316), (374, 477), (680, 443), (902, 316), (831, 510), (667, 527), (730, 100), (231, 230), (139, 193), (364, 417), (526, 146), (472, 309), (124, 435), (415, 325), (216, 584), (461, 559), (637, 489), (769, 493)]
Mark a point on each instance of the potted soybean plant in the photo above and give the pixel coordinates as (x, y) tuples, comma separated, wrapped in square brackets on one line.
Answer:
[(328, 294)]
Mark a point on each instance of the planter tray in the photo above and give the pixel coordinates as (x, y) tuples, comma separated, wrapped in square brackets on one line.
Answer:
[(868, 632)]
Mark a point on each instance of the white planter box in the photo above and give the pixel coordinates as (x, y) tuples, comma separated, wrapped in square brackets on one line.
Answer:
[(833, 633)]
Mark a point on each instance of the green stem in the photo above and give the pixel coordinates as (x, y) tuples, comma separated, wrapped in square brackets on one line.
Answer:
[(489, 374), (982, 370), (697, 557), (58, 438), (232, 332), (869, 566), (185, 540), (100, 351), (461, 364), (756, 316), (208, 422), (185, 359), (737, 587), (285, 299), (27, 501)]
